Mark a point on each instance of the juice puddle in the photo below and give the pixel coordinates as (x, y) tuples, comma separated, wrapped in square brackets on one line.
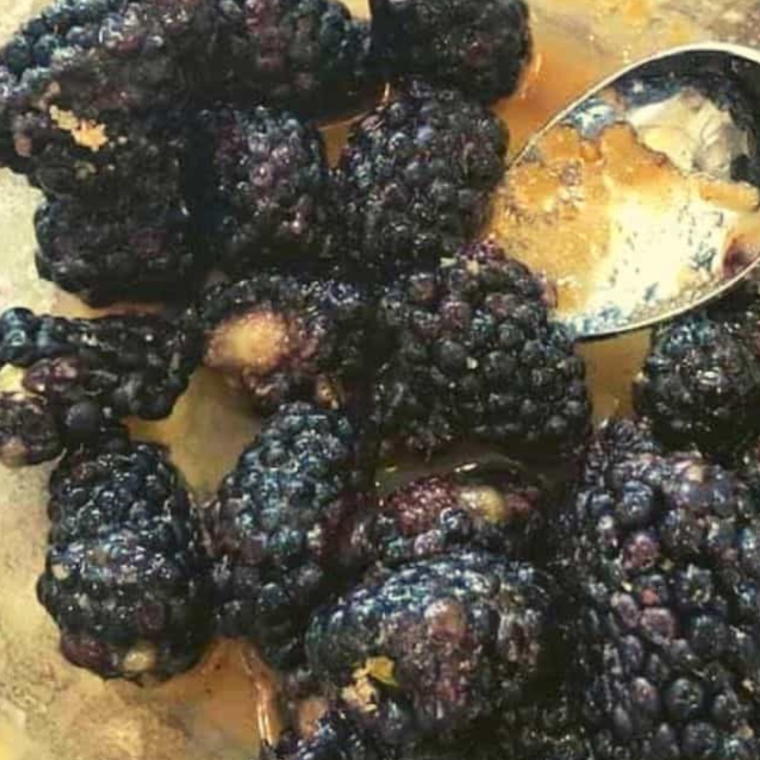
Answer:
[(210, 427), (560, 72), (611, 366), (230, 702)]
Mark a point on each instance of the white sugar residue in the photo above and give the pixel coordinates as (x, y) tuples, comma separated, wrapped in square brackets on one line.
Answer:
[(658, 255), (693, 132)]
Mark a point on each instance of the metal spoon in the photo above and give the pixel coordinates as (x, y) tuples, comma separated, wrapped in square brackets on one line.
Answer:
[(642, 199)]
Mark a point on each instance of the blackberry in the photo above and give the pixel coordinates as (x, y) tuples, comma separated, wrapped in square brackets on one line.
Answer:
[(496, 508), (475, 355), (127, 578), (426, 650), (139, 156), (138, 365), (415, 179), (285, 339), (134, 252), (90, 373), (701, 384), (265, 183), (66, 72), (278, 526), (29, 432), (309, 56), (661, 563), (478, 46)]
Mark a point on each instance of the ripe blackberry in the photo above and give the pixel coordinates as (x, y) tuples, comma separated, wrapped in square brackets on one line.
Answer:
[(66, 72), (415, 179), (264, 185), (127, 578), (308, 56), (285, 339), (426, 650), (134, 251), (661, 562), (138, 365), (90, 373), (701, 384), (142, 156), (475, 355), (491, 508), (478, 46), (29, 431), (278, 525)]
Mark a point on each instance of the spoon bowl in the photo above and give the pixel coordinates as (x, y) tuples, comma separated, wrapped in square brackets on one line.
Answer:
[(641, 200)]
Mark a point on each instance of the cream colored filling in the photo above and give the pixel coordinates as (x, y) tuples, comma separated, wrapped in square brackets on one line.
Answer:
[(12, 380), (486, 502), (141, 658), (256, 342)]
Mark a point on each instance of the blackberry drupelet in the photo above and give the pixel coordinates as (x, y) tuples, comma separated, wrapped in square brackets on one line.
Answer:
[(309, 56), (475, 355), (701, 383), (29, 431), (127, 578), (89, 373), (264, 186), (478, 46), (662, 565), (425, 650), (287, 339), (129, 252), (496, 508), (279, 524), (415, 179), (68, 71)]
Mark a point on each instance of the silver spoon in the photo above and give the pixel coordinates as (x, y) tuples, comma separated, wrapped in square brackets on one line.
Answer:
[(642, 199)]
